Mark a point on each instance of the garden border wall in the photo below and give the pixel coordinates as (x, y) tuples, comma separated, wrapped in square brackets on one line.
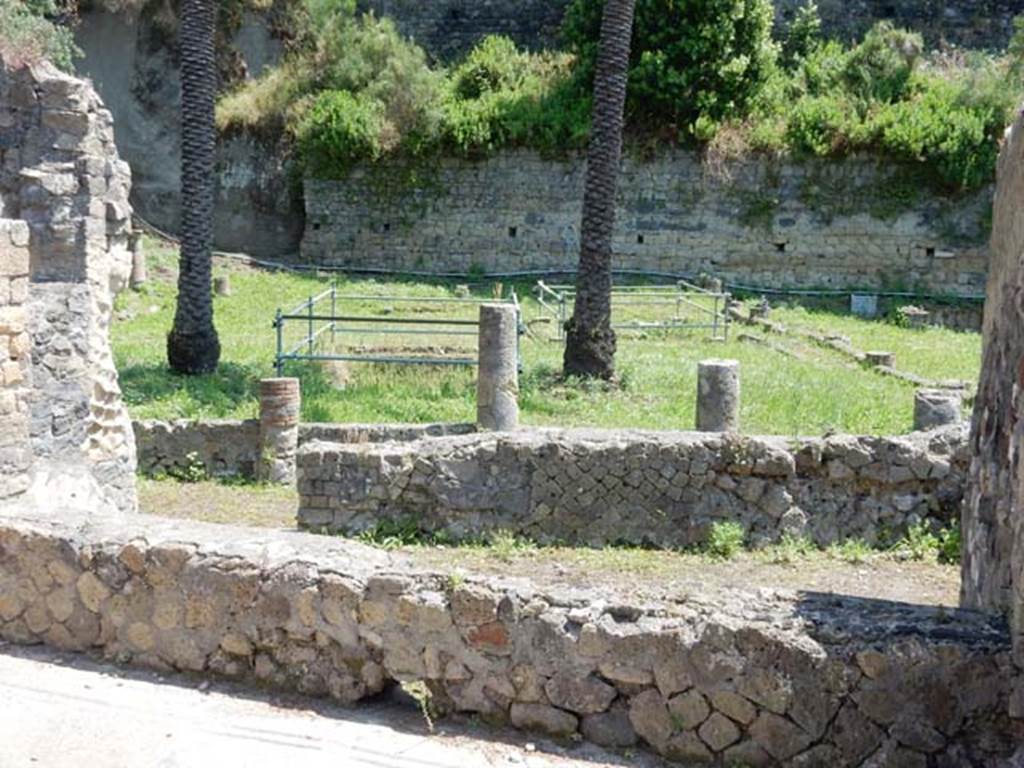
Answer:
[(664, 489), (724, 679)]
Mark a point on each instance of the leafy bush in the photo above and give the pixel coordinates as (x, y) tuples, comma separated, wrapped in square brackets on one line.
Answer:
[(880, 68), (816, 125), (690, 59), (725, 540), (337, 132), (804, 34), (29, 32)]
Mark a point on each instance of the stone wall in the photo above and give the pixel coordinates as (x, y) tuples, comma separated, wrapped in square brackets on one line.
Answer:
[(60, 174), (811, 225), (728, 679), (600, 488), (448, 28), (224, 448), (15, 360), (993, 523)]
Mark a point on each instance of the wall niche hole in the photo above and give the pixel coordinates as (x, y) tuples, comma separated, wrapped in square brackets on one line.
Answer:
[(513, 232), (929, 252), (639, 239), (780, 247)]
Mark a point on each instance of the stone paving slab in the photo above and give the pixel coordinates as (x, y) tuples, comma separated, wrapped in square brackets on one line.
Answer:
[(60, 710)]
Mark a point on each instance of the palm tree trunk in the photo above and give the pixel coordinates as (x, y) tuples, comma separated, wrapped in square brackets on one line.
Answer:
[(590, 340), (192, 345)]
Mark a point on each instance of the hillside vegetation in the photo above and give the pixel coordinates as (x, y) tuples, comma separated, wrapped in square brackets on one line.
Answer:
[(705, 74)]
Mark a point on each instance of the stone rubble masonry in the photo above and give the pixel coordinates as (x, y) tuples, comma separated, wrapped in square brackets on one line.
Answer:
[(230, 448), (772, 224), (732, 678), (664, 489), (992, 573), (60, 174), (15, 360)]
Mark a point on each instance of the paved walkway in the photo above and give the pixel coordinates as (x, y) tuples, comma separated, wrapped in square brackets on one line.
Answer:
[(63, 710)]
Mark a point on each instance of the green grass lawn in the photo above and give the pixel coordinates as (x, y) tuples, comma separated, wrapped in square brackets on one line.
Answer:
[(810, 394)]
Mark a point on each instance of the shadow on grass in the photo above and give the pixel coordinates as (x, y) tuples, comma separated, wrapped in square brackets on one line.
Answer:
[(215, 394)]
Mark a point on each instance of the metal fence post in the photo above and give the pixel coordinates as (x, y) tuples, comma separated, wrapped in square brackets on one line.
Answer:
[(309, 338), (334, 311), (278, 361)]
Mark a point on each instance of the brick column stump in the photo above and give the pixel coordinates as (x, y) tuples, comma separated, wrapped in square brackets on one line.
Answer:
[(280, 402)]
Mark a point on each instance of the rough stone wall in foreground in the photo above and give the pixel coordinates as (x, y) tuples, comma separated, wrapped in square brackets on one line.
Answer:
[(803, 225), (663, 489), (728, 679), (60, 173)]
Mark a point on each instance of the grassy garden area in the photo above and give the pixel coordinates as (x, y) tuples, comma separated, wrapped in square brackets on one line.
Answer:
[(813, 391)]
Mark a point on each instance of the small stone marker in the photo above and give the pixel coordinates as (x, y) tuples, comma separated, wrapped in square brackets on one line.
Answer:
[(864, 304), (139, 276), (718, 396), (222, 285), (280, 401), (937, 408), (880, 359), (497, 387)]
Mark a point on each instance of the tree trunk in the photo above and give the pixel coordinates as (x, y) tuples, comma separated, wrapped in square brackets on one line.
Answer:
[(590, 340), (993, 526), (192, 345)]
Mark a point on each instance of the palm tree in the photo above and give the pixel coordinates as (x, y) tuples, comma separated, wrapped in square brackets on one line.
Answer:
[(590, 340), (192, 344)]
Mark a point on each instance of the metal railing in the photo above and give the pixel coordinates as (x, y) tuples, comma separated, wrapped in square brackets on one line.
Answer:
[(682, 305), (326, 335)]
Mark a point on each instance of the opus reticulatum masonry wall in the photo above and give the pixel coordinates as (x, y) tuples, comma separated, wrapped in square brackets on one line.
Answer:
[(729, 679), (791, 225), (664, 489)]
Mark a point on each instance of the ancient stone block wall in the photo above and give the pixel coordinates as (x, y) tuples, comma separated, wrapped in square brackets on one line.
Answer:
[(224, 448), (60, 174), (808, 225), (726, 679), (600, 488)]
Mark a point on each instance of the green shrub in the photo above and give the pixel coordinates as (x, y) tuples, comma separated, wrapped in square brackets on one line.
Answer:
[(29, 32), (880, 68), (690, 58), (804, 34), (725, 540), (950, 545), (337, 132), (816, 125)]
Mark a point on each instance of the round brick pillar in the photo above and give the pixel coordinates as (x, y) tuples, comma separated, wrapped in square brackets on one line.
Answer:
[(497, 387), (718, 396), (280, 402)]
